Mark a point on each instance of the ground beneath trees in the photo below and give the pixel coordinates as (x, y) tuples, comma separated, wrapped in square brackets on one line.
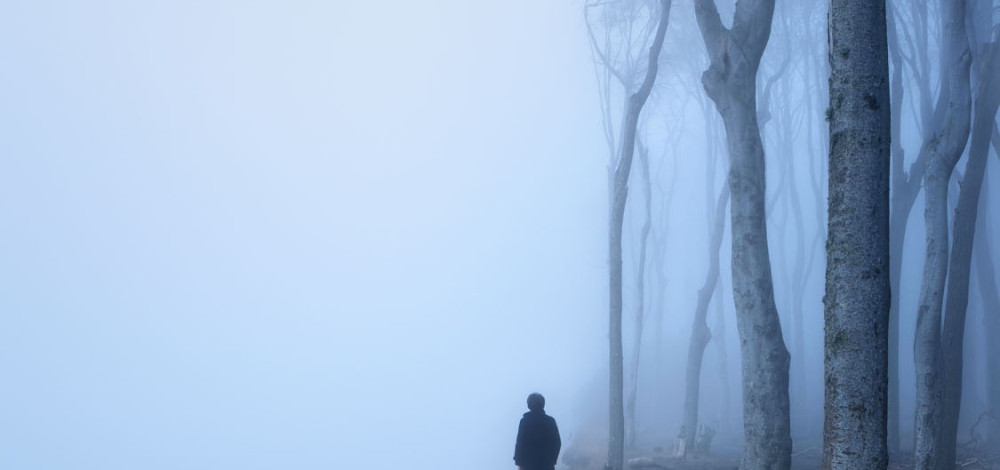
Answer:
[(809, 459), (965, 461)]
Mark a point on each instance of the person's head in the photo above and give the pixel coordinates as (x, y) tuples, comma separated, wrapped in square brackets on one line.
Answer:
[(536, 402)]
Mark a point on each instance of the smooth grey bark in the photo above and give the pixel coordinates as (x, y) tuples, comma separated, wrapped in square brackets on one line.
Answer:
[(700, 333), (856, 305), (616, 414), (991, 307), (960, 265), (640, 293), (943, 151), (730, 82)]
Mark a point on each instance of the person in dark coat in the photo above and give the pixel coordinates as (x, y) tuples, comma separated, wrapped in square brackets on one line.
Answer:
[(538, 442)]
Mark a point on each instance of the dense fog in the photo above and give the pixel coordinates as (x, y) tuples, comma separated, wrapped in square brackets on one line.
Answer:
[(331, 235)]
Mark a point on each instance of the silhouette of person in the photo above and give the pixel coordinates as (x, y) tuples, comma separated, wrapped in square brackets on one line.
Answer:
[(538, 443)]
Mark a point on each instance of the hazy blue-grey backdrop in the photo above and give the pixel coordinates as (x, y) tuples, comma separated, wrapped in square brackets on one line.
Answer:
[(296, 234)]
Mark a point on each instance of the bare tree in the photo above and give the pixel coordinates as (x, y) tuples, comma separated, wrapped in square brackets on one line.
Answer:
[(987, 100), (910, 32), (857, 275), (730, 82), (627, 26), (943, 151), (619, 196)]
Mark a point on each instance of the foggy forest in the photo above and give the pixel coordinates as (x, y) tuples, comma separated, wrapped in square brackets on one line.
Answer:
[(714, 234)]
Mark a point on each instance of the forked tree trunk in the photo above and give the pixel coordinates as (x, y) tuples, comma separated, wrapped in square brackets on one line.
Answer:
[(616, 413), (906, 182), (856, 304), (943, 151), (730, 82), (960, 264)]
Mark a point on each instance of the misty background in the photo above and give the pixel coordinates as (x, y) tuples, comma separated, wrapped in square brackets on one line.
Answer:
[(293, 234), (251, 234)]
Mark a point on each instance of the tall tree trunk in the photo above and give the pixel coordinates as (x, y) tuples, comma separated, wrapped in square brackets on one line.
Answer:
[(640, 292), (943, 149), (960, 264), (700, 334), (906, 183), (857, 299), (616, 414), (730, 83)]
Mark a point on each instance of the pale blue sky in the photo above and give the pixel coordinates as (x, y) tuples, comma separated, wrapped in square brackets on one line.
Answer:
[(263, 234)]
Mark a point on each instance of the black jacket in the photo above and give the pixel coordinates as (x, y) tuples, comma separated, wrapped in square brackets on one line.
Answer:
[(538, 442)]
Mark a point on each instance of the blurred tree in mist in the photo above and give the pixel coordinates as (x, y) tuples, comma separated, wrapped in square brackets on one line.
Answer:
[(962, 111), (945, 100), (911, 44), (618, 185), (942, 68), (943, 148), (985, 100)]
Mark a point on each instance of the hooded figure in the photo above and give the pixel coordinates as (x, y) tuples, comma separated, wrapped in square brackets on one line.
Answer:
[(538, 442)]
